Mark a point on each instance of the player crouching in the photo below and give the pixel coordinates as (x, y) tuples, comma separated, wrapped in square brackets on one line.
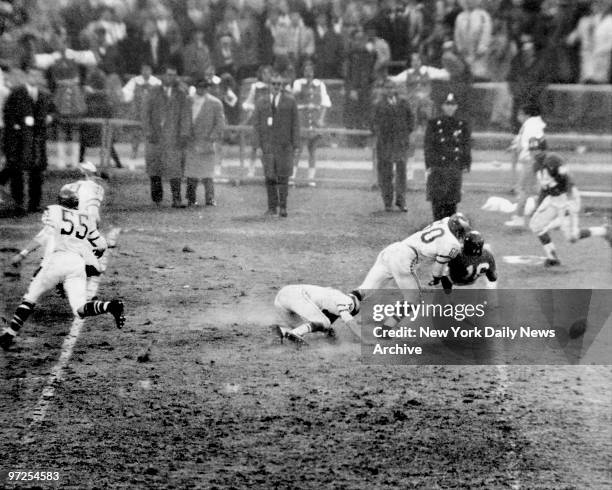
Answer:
[(72, 242), (475, 260), (307, 308), (558, 207)]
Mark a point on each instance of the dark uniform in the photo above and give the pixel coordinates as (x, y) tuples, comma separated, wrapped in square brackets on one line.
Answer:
[(447, 154), (464, 269)]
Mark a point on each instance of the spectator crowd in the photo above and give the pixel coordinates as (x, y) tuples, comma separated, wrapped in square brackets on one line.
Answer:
[(86, 51)]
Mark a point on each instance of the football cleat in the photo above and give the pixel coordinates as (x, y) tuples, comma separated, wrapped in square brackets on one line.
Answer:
[(552, 262), (295, 338), (116, 308), (281, 332), (331, 335), (7, 338)]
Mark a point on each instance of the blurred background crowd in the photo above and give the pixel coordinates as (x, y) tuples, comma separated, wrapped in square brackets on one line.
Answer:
[(104, 43)]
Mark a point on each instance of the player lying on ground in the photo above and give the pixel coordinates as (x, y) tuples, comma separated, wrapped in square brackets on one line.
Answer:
[(306, 308), (558, 206), (475, 261), (72, 244), (439, 242)]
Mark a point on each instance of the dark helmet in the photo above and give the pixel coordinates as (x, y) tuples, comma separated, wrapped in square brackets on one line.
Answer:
[(554, 164), (68, 197), (473, 243), (459, 225)]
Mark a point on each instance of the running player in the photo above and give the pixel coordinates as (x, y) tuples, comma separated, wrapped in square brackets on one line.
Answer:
[(558, 206), (72, 243)]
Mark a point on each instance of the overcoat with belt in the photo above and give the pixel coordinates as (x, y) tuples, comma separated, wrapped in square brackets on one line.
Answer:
[(206, 134)]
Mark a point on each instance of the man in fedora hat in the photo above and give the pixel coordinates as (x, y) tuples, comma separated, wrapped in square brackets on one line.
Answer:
[(448, 154)]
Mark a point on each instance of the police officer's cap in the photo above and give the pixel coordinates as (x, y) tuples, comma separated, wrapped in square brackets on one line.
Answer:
[(450, 99)]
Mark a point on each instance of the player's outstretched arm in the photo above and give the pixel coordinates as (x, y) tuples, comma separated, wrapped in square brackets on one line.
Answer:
[(38, 241)]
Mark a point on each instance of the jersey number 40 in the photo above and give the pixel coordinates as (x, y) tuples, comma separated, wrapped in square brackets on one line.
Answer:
[(430, 234)]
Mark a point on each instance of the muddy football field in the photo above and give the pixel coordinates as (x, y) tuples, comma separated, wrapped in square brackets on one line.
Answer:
[(197, 392)]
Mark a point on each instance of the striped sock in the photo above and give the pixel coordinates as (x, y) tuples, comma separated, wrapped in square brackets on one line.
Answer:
[(21, 314), (93, 308)]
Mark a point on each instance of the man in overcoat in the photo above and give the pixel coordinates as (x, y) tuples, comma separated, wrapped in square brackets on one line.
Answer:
[(207, 127), (27, 112), (167, 126), (448, 153), (276, 126)]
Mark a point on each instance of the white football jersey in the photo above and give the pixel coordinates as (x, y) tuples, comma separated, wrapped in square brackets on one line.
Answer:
[(68, 230), (435, 242), (329, 299)]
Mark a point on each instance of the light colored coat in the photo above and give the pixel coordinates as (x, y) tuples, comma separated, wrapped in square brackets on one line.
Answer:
[(207, 127), (594, 32), (473, 38)]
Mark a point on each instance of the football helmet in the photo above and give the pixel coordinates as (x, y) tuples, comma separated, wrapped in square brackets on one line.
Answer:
[(554, 164), (68, 197), (459, 225), (356, 304), (473, 243)]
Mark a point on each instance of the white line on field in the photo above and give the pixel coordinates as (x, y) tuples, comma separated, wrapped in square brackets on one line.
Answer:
[(57, 372)]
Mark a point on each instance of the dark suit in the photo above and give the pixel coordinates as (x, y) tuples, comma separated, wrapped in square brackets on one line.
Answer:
[(140, 52), (329, 54), (277, 133), (448, 152), (393, 122), (394, 29), (25, 142)]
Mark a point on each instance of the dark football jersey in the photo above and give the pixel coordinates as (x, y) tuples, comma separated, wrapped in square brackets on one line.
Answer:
[(465, 269)]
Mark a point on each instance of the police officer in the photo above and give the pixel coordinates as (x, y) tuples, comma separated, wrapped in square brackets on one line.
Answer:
[(448, 153)]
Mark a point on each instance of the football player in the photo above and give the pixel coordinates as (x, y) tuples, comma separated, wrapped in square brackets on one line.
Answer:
[(476, 260), (90, 192), (438, 243), (72, 243), (307, 308), (558, 206)]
